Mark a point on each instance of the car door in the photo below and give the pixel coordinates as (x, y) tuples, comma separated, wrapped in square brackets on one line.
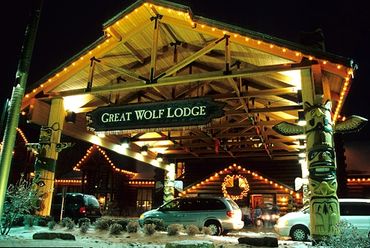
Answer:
[(170, 213), (189, 214)]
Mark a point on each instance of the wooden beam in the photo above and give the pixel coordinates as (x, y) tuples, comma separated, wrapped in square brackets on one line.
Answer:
[(265, 110), (128, 73), (191, 58), (205, 76), (134, 53), (153, 55), (187, 149)]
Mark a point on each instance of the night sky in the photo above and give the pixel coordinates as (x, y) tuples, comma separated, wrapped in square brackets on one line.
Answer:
[(66, 27)]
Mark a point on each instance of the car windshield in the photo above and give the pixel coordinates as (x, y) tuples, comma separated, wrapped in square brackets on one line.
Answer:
[(91, 201)]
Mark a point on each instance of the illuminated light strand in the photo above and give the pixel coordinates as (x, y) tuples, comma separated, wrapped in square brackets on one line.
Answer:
[(141, 182), (122, 171), (234, 166), (343, 94), (358, 180), (242, 194), (66, 69), (88, 154), (23, 136), (69, 181), (292, 53)]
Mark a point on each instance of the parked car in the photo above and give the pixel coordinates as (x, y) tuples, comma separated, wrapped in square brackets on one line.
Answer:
[(268, 215), (76, 206), (220, 214), (296, 224)]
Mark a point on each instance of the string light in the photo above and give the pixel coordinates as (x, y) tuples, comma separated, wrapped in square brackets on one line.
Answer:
[(136, 182), (88, 154), (229, 169)]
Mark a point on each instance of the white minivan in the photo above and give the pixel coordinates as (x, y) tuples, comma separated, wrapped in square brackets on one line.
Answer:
[(296, 224)]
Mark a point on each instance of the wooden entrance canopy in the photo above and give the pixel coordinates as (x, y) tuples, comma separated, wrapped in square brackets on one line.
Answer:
[(155, 51)]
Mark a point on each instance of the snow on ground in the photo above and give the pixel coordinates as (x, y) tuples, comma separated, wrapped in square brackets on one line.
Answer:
[(22, 237)]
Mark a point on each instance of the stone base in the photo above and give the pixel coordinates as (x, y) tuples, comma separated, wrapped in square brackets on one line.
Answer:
[(190, 244), (259, 241), (52, 235)]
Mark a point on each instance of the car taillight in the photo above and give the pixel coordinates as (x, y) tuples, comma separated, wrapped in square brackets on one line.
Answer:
[(230, 214), (82, 210)]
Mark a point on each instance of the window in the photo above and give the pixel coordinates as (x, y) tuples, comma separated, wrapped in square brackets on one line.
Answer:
[(233, 204), (144, 199), (92, 201), (172, 206), (210, 204), (354, 208)]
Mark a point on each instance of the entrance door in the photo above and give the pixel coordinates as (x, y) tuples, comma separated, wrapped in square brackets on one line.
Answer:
[(257, 200)]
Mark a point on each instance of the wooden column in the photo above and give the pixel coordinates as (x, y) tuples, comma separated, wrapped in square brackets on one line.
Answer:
[(48, 154), (324, 206)]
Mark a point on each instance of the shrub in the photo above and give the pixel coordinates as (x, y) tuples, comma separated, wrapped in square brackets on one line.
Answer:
[(65, 221), (18, 221), (21, 198), (43, 220), (132, 226), (84, 227), (348, 236), (174, 229), (206, 230), (70, 225), (159, 224), (28, 220), (149, 229), (102, 224), (123, 223), (192, 230), (51, 225), (83, 221), (115, 229)]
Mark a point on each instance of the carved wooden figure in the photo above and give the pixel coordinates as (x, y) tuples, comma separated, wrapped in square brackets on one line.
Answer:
[(320, 155)]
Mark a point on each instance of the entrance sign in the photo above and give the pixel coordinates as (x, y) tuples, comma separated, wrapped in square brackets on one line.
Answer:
[(155, 115)]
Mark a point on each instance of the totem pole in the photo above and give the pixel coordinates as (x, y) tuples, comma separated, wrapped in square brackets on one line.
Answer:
[(319, 130)]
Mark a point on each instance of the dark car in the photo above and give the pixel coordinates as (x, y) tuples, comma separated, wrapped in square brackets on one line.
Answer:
[(76, 206)]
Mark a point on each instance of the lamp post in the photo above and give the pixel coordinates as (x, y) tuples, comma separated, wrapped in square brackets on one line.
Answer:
[(12, 121)]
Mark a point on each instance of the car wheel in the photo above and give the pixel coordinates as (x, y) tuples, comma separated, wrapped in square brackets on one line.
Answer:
[(215, 227), (299, 233)]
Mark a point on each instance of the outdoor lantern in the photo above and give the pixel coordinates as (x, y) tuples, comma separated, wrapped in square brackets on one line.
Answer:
[(125, 142), (144, 150), (159, 157), (71, 117)]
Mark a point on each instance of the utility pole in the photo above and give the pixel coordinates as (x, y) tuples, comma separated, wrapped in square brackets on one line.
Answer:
[(14, 108)]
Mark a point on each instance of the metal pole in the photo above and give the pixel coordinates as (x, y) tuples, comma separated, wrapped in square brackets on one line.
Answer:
[(12, 121)]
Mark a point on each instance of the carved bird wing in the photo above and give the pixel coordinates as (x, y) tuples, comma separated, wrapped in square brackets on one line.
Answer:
[(288, 129), (351, 124)]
